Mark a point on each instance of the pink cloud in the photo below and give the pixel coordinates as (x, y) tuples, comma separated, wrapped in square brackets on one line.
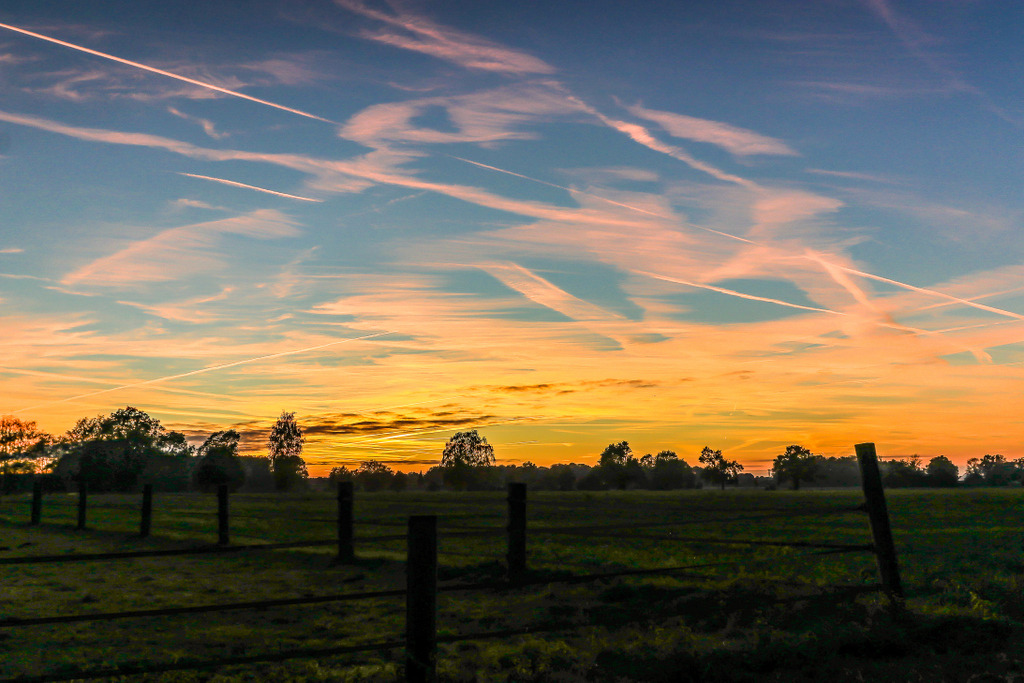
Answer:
[(419, 34), (738, 141), (178, 252)]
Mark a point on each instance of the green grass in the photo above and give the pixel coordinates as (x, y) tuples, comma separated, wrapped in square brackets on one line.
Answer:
[(960, 555)]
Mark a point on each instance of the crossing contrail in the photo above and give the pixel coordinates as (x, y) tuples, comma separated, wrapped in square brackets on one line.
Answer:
[(825, 264), (168, 74), (211, 368)]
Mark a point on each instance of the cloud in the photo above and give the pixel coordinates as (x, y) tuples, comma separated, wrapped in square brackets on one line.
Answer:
[(12, 250), (738, 141), (161, 72), (419, 34), (207, 125), (489, 116), (184, 202), (178, 252)]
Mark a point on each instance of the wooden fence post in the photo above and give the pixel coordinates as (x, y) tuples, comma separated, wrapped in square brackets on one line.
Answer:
[(37, 503), (346, 551), (421, 601), (878, 516), (83, 496), (516, 529), (222, 515), (146, 522)]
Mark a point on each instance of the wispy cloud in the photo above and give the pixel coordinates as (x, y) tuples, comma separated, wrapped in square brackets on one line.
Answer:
[(211, 368), (921, 44), (208, 126), (738, 141), (420, 34), (178, 252), (12, 250), (161, 72)]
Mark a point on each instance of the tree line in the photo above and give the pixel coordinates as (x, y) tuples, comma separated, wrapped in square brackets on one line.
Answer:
[(468, 463), (119, 451)]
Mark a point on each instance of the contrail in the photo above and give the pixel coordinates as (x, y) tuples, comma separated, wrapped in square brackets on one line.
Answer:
[(168, 74), (741, 295), (603, 199), (235, 183), (210, 368), (816, 259), (923, 290)]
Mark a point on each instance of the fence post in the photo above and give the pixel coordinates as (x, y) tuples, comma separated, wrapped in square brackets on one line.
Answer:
[(222, 514), (878, 516), (346, 551), (37, 503), (147, 510), (516, 532), (83, 495), (421, 601)]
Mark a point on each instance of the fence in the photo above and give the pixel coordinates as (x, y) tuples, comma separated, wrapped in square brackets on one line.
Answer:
[(421, 639)]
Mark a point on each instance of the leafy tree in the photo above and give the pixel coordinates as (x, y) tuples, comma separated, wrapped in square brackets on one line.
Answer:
[(339, 474), (796, 464), (717, 469), (942, 472), (463, 458), (615, 467), (467, 448), (669, 472), (993, 470), (110, 451), (373, 476), (399, 482), (903, 473), (218, 462), (22, 446), (285, 446)]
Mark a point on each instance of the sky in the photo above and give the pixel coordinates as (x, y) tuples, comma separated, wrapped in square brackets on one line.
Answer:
[(741, 224)]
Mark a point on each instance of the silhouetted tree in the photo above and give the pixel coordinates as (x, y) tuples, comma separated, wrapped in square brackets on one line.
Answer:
[(373, 476), (339, 474), (717, 469), (618, 466), (838, 471), (942, 472), (285, 446), (22, 447), (669, 472), (399, 482), (110, 451), (218, 462), (903, 473), (465, 459), (796, 464), (993, 470)]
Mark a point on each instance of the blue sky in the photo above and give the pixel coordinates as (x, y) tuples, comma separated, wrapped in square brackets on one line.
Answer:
[(736, 224)]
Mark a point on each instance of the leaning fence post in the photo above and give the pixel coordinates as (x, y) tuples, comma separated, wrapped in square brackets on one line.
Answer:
[(878, 516), (37, 502), (516, 531), (83, 495), (147, 510), (222, 514), (421, 601), (346, 551)]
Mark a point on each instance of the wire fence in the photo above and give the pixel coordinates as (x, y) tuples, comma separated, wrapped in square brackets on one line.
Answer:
[(420, 644)]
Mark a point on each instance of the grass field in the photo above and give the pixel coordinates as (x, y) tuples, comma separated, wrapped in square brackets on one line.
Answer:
[(761, 613)]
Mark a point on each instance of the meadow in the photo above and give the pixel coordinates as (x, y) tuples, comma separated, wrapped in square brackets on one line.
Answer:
[(744, 612)]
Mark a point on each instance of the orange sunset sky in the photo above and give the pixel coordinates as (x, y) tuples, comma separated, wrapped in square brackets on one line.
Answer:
[(741, 225)]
